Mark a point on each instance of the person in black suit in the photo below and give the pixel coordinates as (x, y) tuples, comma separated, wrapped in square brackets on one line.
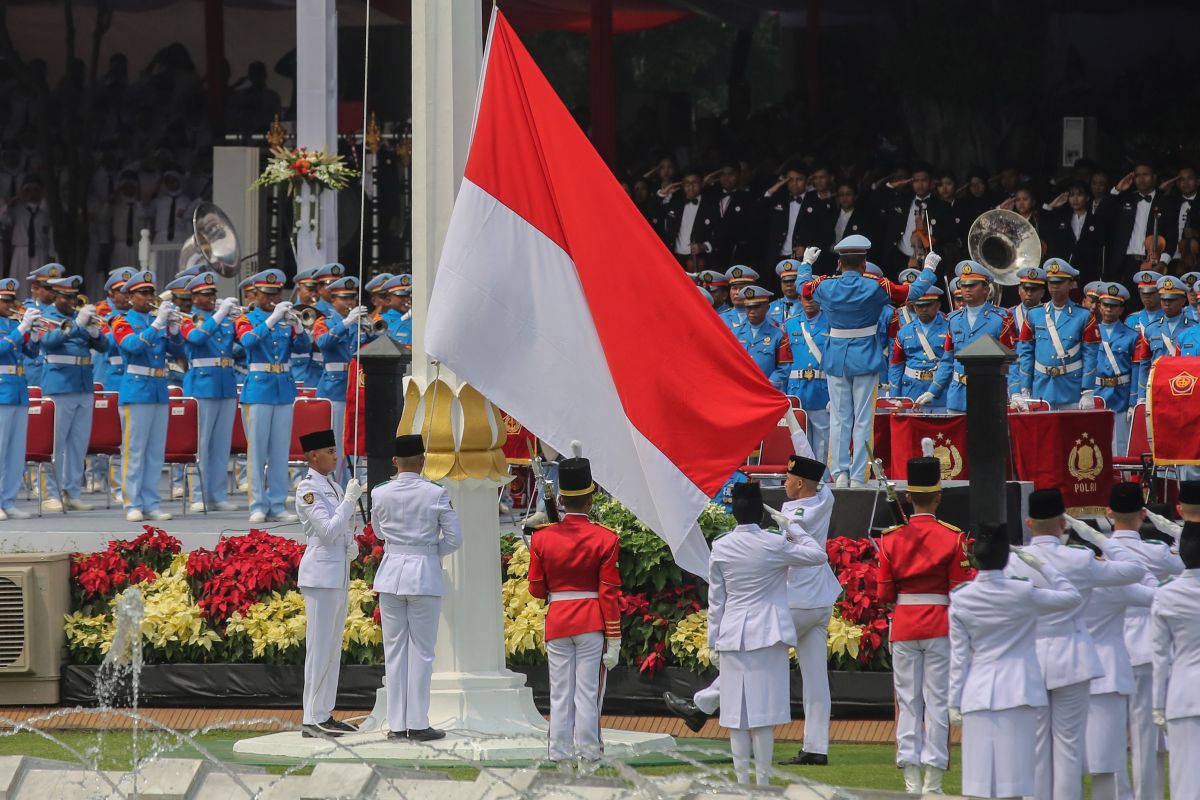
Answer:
[(689, 223), (793, 219), (1134, 205), (902, 203), (1073, 233), (1187, 183), (849, 219), (952, 242), (735, 216), (1098, 186)]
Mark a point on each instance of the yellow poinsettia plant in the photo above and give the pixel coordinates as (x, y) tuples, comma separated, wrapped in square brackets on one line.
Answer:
[(524, 614), (688, 642)]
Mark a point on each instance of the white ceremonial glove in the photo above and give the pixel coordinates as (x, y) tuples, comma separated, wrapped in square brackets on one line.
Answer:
[(932, 260), (1087, 401), (94, 329), (955, 716), (612, 652), (1172, 529), (278, 313), (1160, 717), (1029, 558), (356, 313), (30, 318), (223, 309), (924, 399), (1019, 402), (85, 315), (162, 317), (1087, 532), (173, 328), (352, 550), (811, 254), (714, 657), (780, 518), (354, 490)]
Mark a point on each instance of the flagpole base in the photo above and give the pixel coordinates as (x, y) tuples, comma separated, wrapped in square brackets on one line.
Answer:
[(497, 703)]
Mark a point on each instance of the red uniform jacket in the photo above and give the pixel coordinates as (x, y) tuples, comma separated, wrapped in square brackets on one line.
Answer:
[(577, 555), (926, 556)]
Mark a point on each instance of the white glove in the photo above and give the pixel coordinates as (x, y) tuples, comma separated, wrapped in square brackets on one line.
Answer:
[(1160, 717), (352, 550), (1029, 558), (94, 329), (1019, 401), (1086, 400), (85, 315), (714, 657), (1087, 532), (1172, 529), (278, 313), (612, 652), (932, 260), (354, 490), (31, 316), (811, 254), (356, 313), (223, 308), (780, 518), (955, 716), (162, 317), (924, 399)]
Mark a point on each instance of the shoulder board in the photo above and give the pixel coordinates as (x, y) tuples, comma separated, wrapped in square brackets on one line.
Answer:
[(1080, 546), (382, 483), (961, 585), (951, 527), (1018, 578), (892, 529), (1154, 541), (956, 313)]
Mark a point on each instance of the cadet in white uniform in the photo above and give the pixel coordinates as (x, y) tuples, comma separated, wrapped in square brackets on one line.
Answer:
[(1065, 648), (996, 685), (327, 519), (1175, 624), (418, 526), (750, 628)]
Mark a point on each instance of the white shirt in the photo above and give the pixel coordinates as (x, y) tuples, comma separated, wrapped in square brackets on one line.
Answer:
[(418, 526), (812, 587), (327, 521), (687, 220), (1137, 239), (128, 219), (793, 213), (161, 208), (839, 227), (1077, 221)]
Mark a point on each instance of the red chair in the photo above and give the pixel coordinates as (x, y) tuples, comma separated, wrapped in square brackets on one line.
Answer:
[(183, 441), (1138, 443), (39, 441), (106, 434), (97, 387), (774, 450), (305, 391), (174, 391), (1032, 404), (238, 446), (308, 414), (34, 392)]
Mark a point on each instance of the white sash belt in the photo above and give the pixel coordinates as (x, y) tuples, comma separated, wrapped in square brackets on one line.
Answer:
[(338, 367), (910, 599), (1054, 372), (853, 333), (556, 596), (78, 361), (807, 375)]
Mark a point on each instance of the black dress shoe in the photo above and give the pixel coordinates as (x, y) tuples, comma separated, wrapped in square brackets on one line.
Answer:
[(426, 735), (319, 732), (397, 735), (685, 709), (808, 759), (332, 724)]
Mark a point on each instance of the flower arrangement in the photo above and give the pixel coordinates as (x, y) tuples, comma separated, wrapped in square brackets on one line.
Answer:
[(300, 167)]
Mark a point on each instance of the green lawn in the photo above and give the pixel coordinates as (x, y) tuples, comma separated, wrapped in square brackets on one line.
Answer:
[(861, 766)]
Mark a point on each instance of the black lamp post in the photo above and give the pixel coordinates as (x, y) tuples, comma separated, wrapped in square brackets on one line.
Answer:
[(986, 362)]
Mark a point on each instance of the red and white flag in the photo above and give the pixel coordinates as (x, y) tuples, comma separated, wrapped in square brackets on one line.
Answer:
[(557, 301)]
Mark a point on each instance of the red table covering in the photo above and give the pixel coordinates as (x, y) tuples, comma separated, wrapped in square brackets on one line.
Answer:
[(1071, 450)]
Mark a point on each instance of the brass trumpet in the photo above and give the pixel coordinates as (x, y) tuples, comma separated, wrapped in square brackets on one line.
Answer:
[(45, 326), (306, 316)]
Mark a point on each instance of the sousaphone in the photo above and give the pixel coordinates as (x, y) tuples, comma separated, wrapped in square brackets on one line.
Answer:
[(213, 243), (1005, 243)]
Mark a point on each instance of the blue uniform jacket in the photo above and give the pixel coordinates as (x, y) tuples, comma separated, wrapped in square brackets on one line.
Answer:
[(77, 344), (769, 348), (992, 321), (399, 326), (15, 347), (782, 309), (271, 350), (34, 364), (1043, 372), (109, 367), (1138, 320), (912, 371), (145, 349), (212, 344), (1117, 385), (806, 379), (337, 343)]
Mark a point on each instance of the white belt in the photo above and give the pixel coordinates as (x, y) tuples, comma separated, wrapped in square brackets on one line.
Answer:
[(410, 549), (339, 367), (301, 356), (78, 361), (212, 362), (556, 596), (920, 374), (1054, 371), (115, 360), (11, 370), (150, 372), (318, 357), (268, 367), (807, 375), (912, 599), (1109, 380), (853, 333)]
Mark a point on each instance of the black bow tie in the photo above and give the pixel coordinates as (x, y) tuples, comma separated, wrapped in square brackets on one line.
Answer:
[(695, 202), (796, 198), (1146, 198)]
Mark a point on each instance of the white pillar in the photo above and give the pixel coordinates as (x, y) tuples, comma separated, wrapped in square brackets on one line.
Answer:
[(316, 118), (472, 688)]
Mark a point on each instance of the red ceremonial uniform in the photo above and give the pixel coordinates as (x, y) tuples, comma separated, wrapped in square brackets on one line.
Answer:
[(926, 556), (577, 555)]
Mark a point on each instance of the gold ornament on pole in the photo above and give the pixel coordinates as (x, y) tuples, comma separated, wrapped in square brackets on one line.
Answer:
[(464, 433), (276, 134), (374, 136)]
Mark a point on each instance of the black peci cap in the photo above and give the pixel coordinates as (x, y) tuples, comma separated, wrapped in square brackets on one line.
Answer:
[(1046, 504), (990, 547), (1189, 493), (317, 440), (409, 445), (803, 467), (1125, 498)]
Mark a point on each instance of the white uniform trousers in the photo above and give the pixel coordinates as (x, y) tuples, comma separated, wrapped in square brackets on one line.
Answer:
[(818, 433), (812, 636), (921, 673), (576, 694), (1183, 736), (143, 446), (13, 428), (268, 438), (851, 416), (708, 699), (72, 430), (410, 626), (325, 610), (1121, 425), (998, 752), (1145, 738), (1105, 740), (216, 436), (1061, 729), (338, 419)]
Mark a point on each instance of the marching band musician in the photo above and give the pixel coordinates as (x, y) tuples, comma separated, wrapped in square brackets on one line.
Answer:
[(1161, 336), (209, 338), (379, 296), (977, 317), (306, 287), (17, 341), (920, 369), (337, 335), (1031, 288), (326, 275), (418, 525), (41, 297), (738, 277), (147, 338), (269, 340), (67, 378), (718, 286), (853, 360), (399, 316), (808, 335), (177, 292), (920, 562), (1147, 286), (108, 369), (307, 365), (787, 306), (1057, 347), (766, 343), (1091, 294), (1115, 379)]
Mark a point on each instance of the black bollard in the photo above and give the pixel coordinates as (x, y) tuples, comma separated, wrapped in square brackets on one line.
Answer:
[(986, 362), (384, 364)]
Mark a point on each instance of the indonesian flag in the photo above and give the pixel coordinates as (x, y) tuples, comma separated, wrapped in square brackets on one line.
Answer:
[(557, 301)]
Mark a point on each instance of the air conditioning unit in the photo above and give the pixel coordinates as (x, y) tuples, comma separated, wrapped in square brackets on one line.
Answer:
[(35, 596)]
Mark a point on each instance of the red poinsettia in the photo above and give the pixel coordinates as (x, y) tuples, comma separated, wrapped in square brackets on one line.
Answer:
[(856, 564), (239, 571)]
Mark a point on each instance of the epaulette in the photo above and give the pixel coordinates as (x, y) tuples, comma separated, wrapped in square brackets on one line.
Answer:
[(607, 528), (1018, 578), (1154, 541), (892, 529), (1079, 546), (951, 527), (961, 585)]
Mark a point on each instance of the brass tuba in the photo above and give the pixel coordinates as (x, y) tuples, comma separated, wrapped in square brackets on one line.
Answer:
[(1004, 242), (213, 243)]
